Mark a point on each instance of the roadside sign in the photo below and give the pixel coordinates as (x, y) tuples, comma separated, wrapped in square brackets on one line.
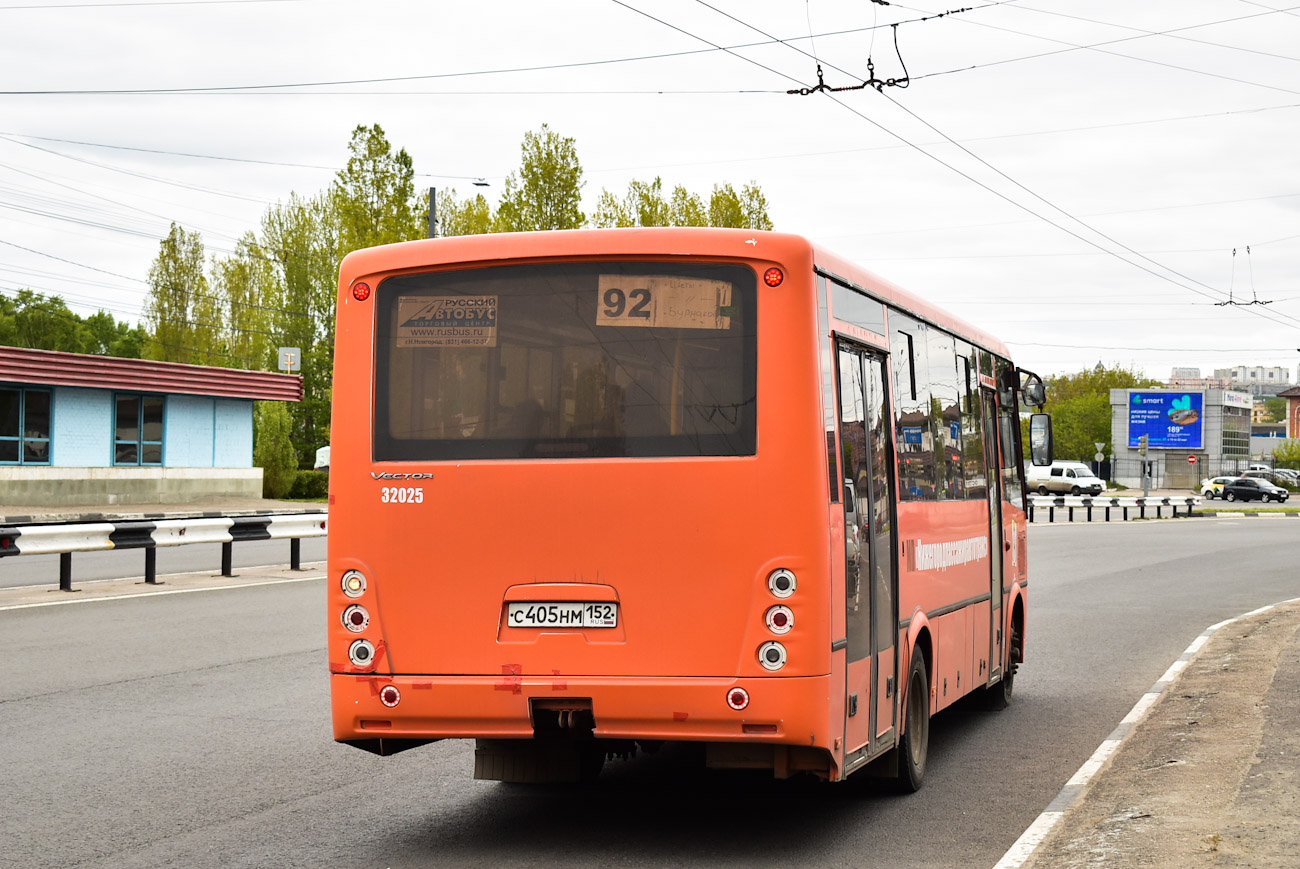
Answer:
[(1191, 460), (290, 359), (1099, 457), (1100, 446)]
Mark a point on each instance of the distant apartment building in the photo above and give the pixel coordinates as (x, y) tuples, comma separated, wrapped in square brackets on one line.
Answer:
[(1257, 379), (1190, 378)]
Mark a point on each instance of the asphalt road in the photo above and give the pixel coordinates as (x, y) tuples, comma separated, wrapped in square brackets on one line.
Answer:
[(193, 730), (25, 570)]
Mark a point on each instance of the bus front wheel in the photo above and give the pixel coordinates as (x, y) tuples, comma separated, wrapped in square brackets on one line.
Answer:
[(915, 744)]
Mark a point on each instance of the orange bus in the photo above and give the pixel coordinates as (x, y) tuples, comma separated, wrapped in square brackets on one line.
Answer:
[(600, 490)]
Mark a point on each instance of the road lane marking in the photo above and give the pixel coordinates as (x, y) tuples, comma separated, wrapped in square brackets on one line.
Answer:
[(24, 606), (1023, 848)]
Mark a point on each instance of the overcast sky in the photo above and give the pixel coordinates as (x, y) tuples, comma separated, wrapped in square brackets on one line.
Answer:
[(1039, 145)]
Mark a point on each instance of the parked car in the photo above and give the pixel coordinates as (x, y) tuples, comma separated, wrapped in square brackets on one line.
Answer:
[(1288, 474), (1269, 476), (1252, 489), (1212, 487), (1073, 478), (322, 459)]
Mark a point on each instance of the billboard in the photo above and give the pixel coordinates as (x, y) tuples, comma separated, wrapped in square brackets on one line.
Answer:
[(1170, 420)]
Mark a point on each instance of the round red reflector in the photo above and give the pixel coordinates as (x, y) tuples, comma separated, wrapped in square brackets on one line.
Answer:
[(389, 695), (361, 291), (780, 619), (773, 277), (737, 698)]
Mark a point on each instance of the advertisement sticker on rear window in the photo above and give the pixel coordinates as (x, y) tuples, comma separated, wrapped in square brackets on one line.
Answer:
[(664, 301), (446, 321)]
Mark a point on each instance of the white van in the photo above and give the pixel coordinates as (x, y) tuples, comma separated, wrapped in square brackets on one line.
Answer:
[(1069, 478)]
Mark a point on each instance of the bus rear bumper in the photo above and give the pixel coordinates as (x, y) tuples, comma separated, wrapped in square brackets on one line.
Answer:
[(791, 711)]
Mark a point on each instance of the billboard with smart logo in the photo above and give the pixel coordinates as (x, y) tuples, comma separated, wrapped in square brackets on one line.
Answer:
[(1170, 420)]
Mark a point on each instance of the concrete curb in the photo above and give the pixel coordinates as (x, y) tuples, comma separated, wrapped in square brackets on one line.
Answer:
[(1078, 784)]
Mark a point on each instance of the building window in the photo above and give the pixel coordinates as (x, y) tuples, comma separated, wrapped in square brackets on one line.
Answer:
[(137, 429), (24, 426)]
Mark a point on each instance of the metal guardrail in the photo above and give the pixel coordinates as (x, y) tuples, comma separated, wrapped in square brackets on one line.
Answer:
[(148, 535), (1124, 505)]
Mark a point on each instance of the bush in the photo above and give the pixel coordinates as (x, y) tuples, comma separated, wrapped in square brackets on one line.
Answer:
[(273, 451), (311, 486)]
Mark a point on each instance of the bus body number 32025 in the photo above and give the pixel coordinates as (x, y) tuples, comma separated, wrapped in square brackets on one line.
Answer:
[(402, 495)]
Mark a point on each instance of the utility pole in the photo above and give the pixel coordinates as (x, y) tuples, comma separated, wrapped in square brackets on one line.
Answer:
[(1146, 466), (433, 212)]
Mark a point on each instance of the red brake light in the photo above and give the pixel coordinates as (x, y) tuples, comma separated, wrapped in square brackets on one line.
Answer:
[(361, 291), (773, 277), (737, 698)]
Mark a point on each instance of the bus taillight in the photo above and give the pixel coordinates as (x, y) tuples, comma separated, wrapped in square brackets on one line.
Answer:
[(773, 277), (390, 696), (361, 291), (781, 583), (355, 618), (738, 698), (780, 619), (361, 653), (771, 655), (354, 583)]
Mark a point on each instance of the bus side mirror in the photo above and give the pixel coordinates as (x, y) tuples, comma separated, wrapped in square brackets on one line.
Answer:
[(1033, 391), (1040, 439)]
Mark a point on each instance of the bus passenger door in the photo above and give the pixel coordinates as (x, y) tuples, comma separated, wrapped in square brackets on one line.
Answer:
[(871, 618), (993, 473)]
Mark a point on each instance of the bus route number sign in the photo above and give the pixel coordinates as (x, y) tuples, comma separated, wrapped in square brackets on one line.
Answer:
[(664, 301), (566, 614)]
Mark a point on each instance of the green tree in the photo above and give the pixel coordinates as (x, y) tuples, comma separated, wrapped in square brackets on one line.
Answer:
[(180, 314), (745, 210), (373, 198), (547, 191), (273, 449), (644, 205), (1275, 409), (1080, 408), (113, 338), (243, 282), (468, 217), (301, 242), (41, 322), (1287, 454)]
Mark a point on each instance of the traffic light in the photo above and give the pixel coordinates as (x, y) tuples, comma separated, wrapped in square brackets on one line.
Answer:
[(1142, 445)]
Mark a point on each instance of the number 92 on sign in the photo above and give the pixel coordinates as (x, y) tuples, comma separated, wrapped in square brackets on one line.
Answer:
[(569, 614)]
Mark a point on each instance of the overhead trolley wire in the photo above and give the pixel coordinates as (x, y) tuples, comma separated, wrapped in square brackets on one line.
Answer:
[(1001, 195)]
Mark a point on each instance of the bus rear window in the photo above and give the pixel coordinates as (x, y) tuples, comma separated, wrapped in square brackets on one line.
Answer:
[(573, 360)]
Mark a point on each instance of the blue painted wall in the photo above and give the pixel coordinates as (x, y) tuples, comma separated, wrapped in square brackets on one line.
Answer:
[(198, 432), (187, 432), (82, 428), (233, 424)]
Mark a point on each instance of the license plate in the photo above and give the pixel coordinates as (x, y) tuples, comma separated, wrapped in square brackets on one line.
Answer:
[(570, 614)]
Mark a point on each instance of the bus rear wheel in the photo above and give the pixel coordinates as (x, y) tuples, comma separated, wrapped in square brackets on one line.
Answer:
[(915, 744)]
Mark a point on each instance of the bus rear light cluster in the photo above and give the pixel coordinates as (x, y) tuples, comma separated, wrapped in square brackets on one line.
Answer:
[(355, 618), (362, 653), (780, 619), (737, 698), (354, 583), (771, 655), (390, 696), (773, 277), (781, 583), (361, 291)]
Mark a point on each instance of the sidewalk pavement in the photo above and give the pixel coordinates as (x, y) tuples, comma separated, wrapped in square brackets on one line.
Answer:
[(1209, 777), (175, 583), (31, 515)]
